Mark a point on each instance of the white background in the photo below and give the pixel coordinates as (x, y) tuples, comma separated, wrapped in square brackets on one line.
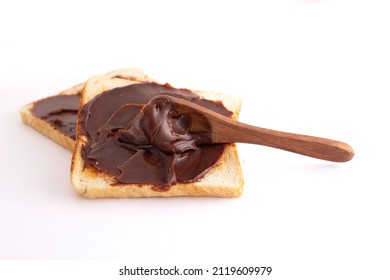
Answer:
[(315, 67)]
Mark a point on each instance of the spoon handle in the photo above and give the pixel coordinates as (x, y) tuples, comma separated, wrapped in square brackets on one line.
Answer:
[(311, 146)]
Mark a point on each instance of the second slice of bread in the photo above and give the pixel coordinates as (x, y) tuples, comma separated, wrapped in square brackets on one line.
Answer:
[(225, 179)]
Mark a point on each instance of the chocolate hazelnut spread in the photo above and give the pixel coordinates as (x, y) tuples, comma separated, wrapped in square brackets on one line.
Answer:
[(149, 144), (60, 111)]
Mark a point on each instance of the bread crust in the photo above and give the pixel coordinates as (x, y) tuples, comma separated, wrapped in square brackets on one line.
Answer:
[(225, 179), (57, 136)]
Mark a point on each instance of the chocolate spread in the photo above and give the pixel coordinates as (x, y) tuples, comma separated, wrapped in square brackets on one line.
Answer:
[(60, 111), (147, 144)]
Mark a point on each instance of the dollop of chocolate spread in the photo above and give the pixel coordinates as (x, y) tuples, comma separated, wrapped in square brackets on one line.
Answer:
[(165, 125), (149, 144), (60, 111)]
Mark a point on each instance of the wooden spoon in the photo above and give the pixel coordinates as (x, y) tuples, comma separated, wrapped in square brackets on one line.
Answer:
[(226, 130)]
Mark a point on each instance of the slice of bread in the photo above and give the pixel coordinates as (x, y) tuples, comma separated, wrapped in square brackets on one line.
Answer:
[(224, 179), (57, 136)]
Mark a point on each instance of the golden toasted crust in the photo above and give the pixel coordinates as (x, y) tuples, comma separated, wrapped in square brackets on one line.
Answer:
[(57, 136), (223, 180)]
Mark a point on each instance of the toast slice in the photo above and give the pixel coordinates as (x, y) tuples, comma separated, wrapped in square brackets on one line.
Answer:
[(47, 128), (224, 179)]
